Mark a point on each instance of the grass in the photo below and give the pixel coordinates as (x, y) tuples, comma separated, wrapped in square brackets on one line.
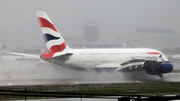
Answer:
[(175, 71), (18, 92)]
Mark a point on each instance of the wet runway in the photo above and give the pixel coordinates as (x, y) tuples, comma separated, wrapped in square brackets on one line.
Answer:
[(167, 78), (34, 73)]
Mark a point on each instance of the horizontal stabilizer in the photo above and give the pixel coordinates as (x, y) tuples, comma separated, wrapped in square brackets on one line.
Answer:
[(24, 54), (63, 56)]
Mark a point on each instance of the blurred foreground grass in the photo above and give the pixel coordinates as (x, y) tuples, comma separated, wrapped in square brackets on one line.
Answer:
[(87, 90)]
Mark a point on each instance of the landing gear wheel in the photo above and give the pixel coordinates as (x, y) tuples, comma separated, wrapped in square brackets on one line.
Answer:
[(160, 75)]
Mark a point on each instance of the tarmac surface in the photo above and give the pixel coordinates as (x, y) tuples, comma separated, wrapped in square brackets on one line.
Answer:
[(36, 73)]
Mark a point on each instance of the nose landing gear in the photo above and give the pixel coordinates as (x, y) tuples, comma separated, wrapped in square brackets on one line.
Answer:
[(160, 75)]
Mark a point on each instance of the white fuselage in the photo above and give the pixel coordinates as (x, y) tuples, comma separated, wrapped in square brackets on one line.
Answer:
[(105, 58)]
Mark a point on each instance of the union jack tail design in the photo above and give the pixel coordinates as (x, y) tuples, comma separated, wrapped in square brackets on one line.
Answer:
[(53, 39)]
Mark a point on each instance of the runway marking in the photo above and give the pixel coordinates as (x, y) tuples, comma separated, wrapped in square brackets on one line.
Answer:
[(138, 81)]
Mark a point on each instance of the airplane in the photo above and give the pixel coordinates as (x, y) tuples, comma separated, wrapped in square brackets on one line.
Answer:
[(126, 60)]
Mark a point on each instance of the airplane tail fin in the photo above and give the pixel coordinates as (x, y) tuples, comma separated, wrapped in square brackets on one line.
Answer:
[(53, 39)]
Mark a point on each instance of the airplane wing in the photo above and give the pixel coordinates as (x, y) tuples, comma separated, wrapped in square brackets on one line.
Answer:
[(136, 64)]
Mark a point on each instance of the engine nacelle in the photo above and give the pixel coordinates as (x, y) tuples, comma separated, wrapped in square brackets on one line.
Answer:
[(167, 67), (162, 68)]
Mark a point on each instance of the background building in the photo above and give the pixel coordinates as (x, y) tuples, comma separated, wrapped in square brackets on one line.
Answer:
[(156, 38), (91, 31)]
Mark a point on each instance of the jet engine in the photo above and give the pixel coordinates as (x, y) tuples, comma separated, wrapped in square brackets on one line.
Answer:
[(159, 69)]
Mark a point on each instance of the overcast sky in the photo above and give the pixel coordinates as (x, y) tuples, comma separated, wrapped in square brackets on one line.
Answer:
[(19, 25)]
